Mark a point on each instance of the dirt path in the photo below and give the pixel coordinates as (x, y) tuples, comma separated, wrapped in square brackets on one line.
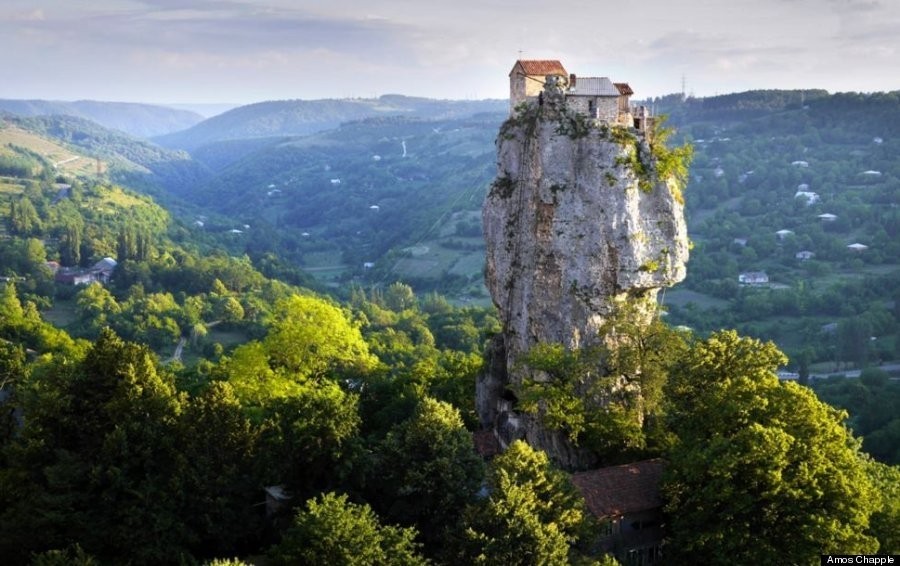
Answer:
[(176, 357)]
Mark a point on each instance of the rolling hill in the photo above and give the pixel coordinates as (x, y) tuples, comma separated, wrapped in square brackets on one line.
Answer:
[(803, 187), (783, 183), (302, 117), (131, 161), (140, 120), (24, 153), (339, 200)]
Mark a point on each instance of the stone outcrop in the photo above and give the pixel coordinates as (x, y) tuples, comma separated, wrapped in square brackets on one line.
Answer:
[(576, 223)]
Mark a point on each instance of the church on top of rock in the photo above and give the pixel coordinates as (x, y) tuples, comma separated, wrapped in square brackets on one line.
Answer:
[(597, 97)]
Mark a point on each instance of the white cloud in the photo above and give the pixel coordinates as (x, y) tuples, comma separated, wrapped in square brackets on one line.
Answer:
[(251, 49)]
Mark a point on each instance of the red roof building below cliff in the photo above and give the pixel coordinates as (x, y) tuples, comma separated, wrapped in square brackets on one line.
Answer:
[(620, 490)]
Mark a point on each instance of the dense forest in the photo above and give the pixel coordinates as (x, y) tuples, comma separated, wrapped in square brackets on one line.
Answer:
[(788, 183), (212, 402)]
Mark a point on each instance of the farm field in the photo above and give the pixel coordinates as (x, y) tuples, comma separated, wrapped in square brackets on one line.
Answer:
[(62, 158)]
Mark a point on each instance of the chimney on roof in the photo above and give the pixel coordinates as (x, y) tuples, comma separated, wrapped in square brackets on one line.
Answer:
[(572, 80)]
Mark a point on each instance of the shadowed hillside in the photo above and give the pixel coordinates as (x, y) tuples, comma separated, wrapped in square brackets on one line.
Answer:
[(301, 117), (141, 120)]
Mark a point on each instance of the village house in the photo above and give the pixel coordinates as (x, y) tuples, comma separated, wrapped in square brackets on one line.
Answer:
[(626, 501), (104, 268), (596, 97), (804, 255), (782, 234), (276, 499), (829, 328), (809, 196), (753, 278), (100, 272), (68, 276)]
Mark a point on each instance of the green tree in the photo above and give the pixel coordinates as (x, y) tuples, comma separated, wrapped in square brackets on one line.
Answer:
[(70, 244), (11, 311), (219, 447), (332, 531), (12, 371), (607, 398), (310, 440), (229, 309), (671, 163), (34, 255), (532, 514), (72, 556), (311, 337), (95, 461), (755, 457), (254, 381), (399, 297), (426, 470), (854, 335), (885, 522), (24, 219), (126, 247), (95, 304)]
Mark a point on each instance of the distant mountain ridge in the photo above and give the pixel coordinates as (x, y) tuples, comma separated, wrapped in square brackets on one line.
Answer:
[(303, 117), (134, 162), (136, 119)]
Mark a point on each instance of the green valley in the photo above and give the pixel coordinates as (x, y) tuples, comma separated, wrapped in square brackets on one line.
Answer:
[(276, 358)]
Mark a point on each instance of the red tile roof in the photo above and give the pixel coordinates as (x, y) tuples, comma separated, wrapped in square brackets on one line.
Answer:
[(619, 490), (624, 88), (540, 67), (486, 443)]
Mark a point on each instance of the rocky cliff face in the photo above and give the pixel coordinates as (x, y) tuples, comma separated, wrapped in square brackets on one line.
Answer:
[(577, 222)]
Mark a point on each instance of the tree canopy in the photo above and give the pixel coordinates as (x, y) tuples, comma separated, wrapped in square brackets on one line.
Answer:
[(332, 531), (531, 514), (763, 472)]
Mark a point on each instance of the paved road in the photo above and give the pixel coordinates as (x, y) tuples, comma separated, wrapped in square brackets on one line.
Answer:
[(890, 368)]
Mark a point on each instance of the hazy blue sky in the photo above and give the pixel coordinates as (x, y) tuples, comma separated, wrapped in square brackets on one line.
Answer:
[(252, 50)]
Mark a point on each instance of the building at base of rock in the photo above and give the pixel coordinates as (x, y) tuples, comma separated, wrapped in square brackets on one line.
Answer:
[(626, 502)]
